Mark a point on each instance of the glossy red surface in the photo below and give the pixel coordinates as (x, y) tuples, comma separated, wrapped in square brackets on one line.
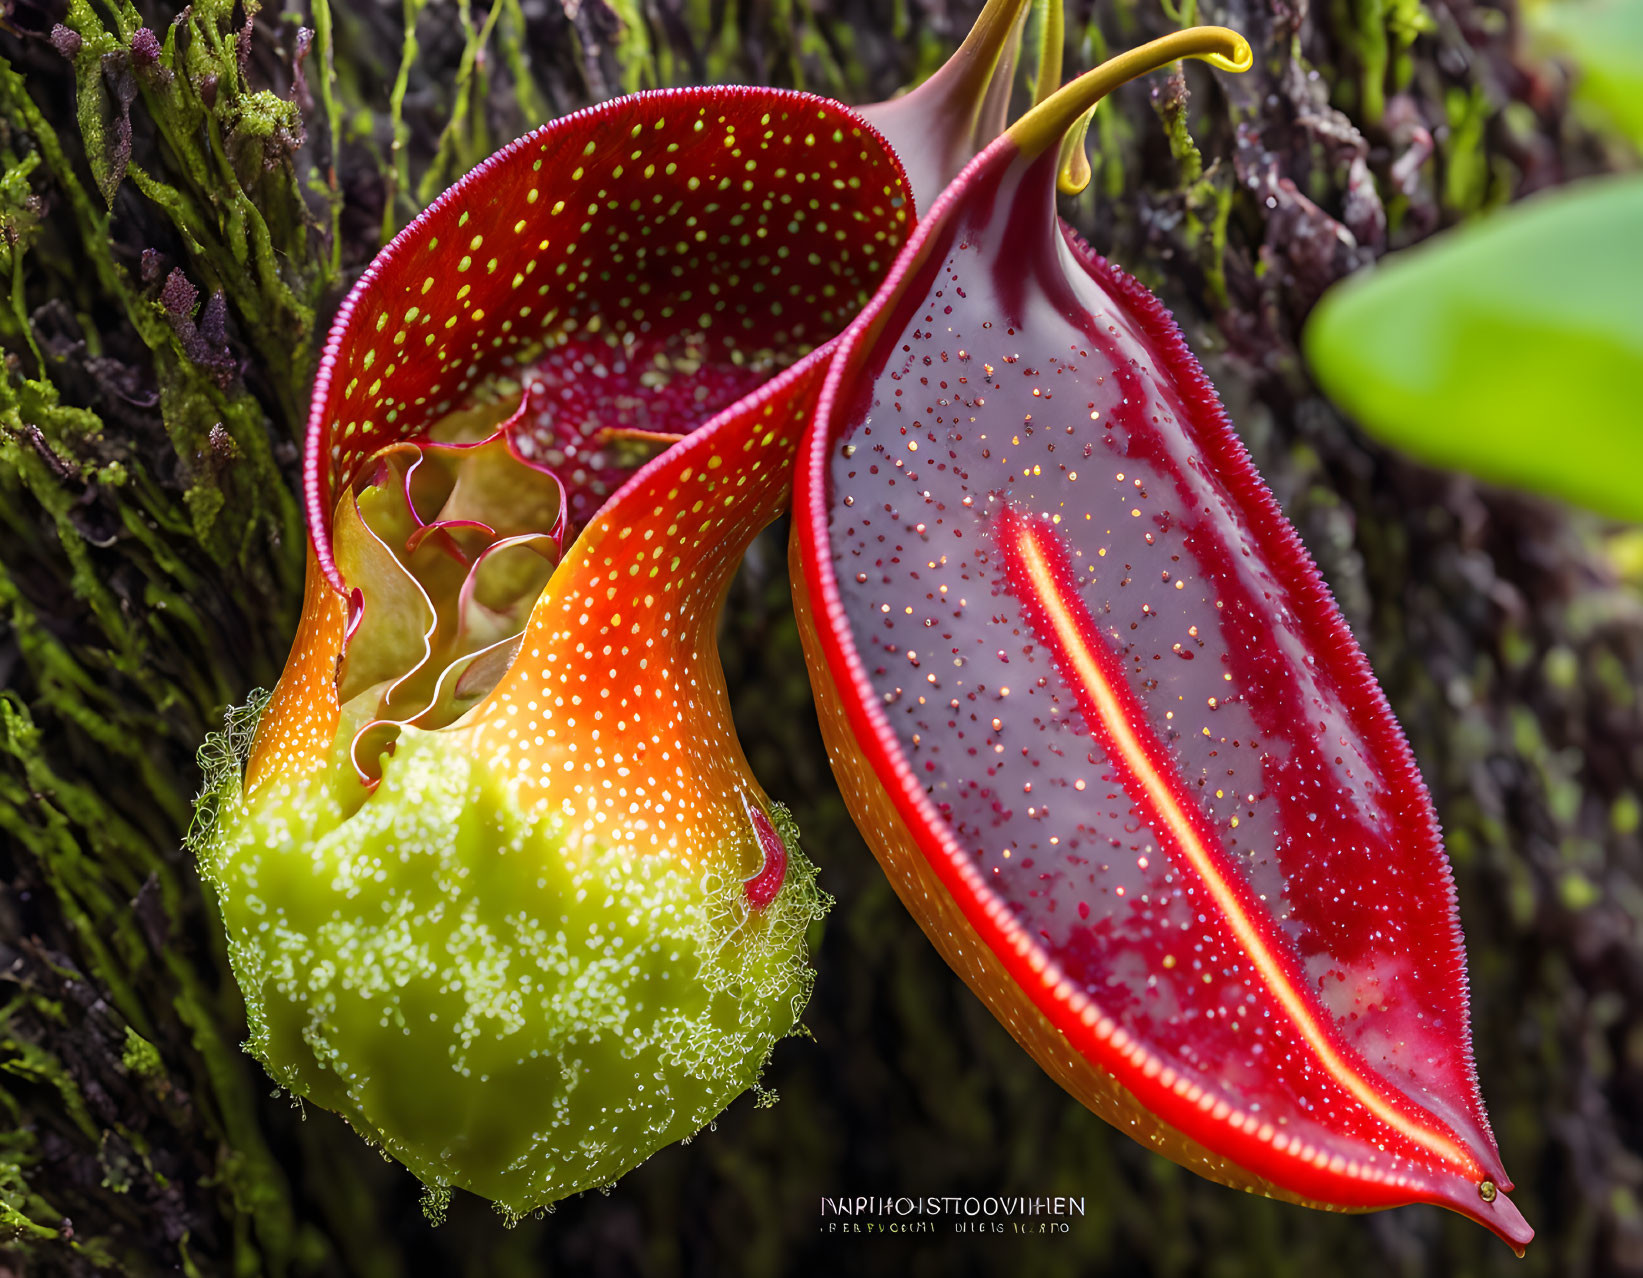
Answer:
[(1123, 720)]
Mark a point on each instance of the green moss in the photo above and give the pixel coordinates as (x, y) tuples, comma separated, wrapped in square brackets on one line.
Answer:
[(145, 528), (1208, 194), (1466, 170), (141, 1057), (1379, 35), (1561, 667), (16, 1227), (1577, 892), (635, 55), (397, 172)]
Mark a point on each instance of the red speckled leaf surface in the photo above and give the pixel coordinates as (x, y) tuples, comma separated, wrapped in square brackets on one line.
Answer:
[(1096, 711)]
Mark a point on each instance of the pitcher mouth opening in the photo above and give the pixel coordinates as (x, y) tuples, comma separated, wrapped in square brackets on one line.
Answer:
[(446, 540)]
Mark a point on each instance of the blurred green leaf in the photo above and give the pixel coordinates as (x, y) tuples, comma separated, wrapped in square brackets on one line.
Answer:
[(1511, 348), (1604, 41)]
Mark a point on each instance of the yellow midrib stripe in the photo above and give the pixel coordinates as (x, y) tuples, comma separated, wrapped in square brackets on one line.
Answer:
[(1163, 800)]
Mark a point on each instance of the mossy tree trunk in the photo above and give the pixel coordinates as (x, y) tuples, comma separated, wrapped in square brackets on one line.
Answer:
[(185, 198)]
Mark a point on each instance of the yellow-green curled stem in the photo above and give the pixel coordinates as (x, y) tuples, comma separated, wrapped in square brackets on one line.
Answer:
[(1045, 125)]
